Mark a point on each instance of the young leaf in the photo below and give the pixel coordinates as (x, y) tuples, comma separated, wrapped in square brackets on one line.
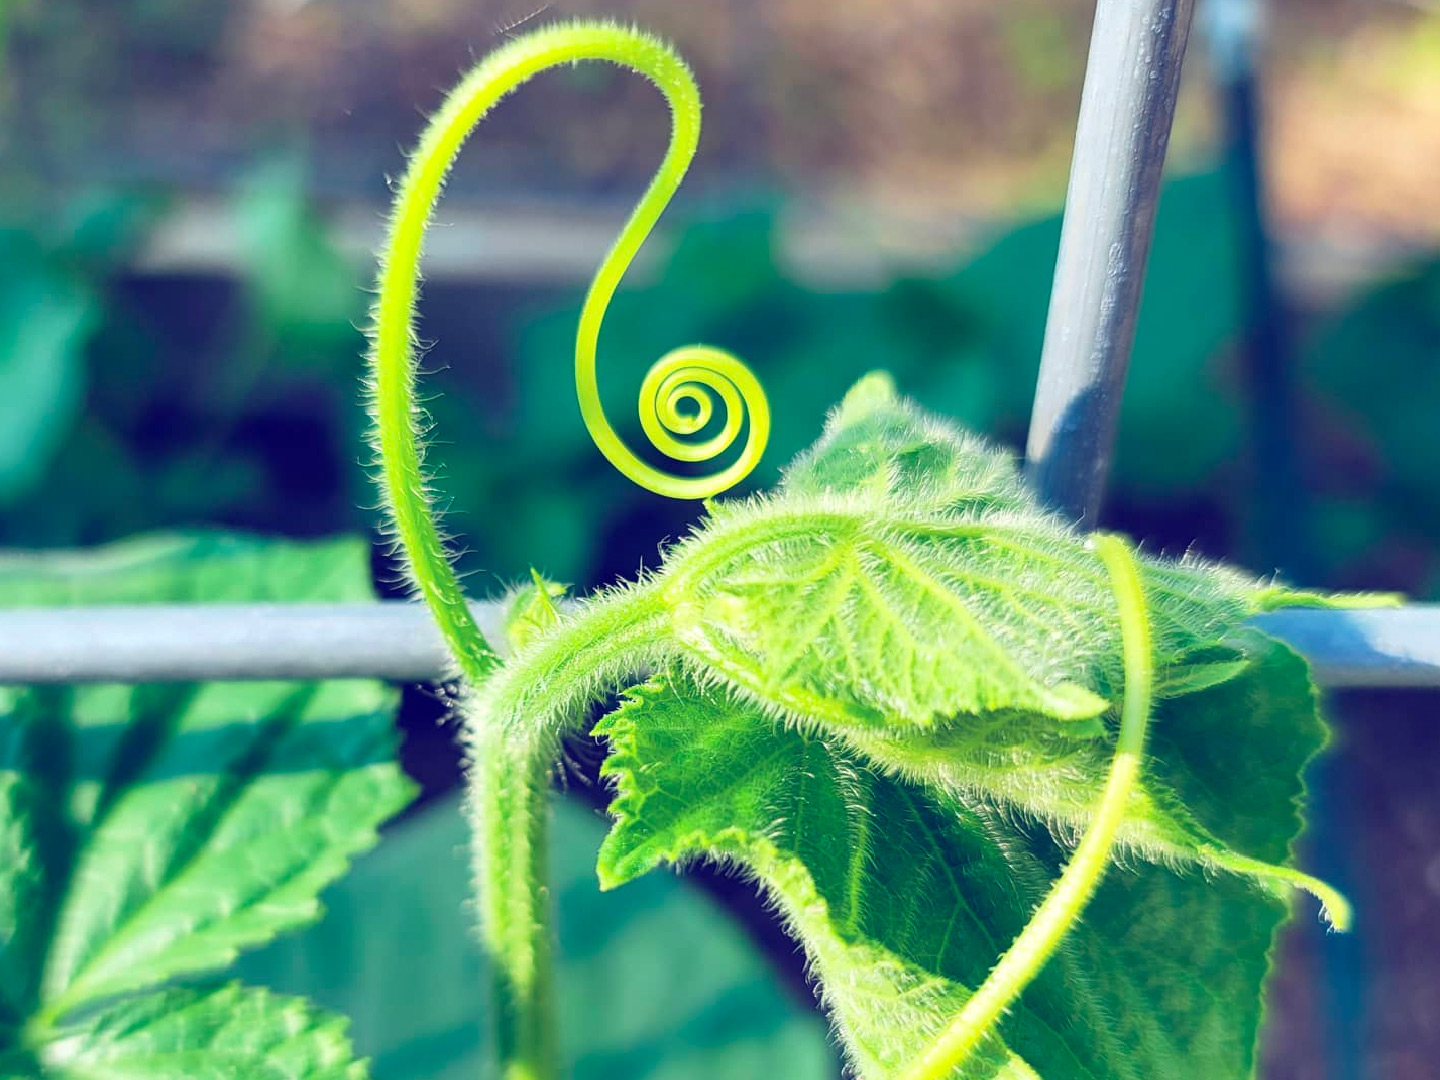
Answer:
[(153, 831), (903, 578), (904, 898), (909, 598)]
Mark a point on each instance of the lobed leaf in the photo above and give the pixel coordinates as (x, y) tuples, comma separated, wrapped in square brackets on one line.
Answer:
[(148, 832), (904, 594), (903, 577), (904, 898)]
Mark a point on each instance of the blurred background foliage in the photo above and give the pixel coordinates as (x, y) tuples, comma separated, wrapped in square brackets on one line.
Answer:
[(183, 274), (189, 193), (133, 400)]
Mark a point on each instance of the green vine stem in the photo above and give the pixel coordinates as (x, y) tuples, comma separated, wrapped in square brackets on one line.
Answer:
[(1067, 898), (678, 399), (509, 814)]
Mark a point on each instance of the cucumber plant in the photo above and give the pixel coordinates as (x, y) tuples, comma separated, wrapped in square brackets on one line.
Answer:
[(935, 723)]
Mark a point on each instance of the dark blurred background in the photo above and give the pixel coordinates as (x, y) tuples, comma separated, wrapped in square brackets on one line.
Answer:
[(190, 193)]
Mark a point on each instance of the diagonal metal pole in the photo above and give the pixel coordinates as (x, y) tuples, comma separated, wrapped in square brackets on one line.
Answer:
[(1137, 49)]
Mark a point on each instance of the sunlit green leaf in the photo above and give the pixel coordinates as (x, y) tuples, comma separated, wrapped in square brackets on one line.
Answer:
[(154, 831), (904, 898), (217, 1033)]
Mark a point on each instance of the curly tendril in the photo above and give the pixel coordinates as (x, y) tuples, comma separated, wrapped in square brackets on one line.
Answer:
[(678, 397)]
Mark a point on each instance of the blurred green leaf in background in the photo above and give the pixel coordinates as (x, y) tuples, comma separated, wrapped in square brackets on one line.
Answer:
[(302, 291), (149, 833), (46, 318), (172, 399), (1372, 379), (395, 954)]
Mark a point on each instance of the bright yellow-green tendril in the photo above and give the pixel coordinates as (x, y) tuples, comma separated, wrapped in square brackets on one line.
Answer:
[(1067, 898), (677, 397)]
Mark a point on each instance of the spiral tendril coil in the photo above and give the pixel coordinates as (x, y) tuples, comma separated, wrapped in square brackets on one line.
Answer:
[(679, 398)]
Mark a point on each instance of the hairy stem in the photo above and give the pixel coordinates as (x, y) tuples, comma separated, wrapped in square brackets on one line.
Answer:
[(1062, 907), (597, 647), (508, 773), (513, 722), (509, 817)]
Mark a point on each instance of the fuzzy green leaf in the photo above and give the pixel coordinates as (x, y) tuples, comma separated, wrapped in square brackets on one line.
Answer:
[(1222, 786), (153, 831), (903, 577), (904, 898), (905, 593), (875, 444), (213, 1033)]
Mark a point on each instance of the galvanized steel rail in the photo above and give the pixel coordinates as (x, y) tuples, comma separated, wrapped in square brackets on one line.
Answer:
[(397, 641)]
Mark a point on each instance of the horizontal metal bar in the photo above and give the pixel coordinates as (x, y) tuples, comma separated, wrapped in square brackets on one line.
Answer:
[(1378, 647), (391, 640), (394, 640)]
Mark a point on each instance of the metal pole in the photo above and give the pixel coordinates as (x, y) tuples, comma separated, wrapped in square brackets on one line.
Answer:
[(392, 640), (1137, 49), (397, 641), (1278, 503)]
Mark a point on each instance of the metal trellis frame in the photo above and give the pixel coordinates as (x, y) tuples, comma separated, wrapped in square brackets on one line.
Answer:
[(398, 641), (1137, 50), (1136, 54)]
